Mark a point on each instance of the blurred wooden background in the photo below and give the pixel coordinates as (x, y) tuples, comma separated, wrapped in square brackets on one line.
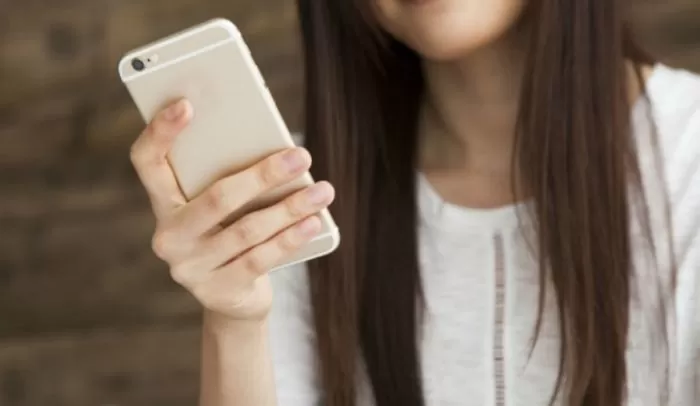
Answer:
[(88, 315)]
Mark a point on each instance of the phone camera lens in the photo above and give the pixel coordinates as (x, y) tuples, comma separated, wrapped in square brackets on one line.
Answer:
[(138, 65)]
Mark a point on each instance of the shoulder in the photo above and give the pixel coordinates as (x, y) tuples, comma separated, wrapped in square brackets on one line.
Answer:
[(674, 96), (673, 118), (673, 91), (675, 100)]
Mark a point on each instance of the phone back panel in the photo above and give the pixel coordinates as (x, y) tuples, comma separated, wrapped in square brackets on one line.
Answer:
[(236, 122)]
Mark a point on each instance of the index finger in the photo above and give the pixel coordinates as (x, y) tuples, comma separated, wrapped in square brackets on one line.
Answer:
[(149, 157)]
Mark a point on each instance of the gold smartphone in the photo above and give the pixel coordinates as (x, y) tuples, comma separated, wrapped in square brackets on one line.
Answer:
[(236, 121)]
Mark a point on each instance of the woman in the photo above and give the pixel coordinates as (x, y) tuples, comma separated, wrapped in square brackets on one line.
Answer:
[(519, 201)]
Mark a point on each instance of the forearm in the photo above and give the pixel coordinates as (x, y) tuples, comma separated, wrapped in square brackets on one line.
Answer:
[(236, 364)]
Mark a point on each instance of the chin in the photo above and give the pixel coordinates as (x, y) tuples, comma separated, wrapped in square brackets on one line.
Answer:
[(445, 30), (447, 45)]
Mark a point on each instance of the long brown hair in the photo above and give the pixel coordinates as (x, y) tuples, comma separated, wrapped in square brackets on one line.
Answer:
[(574, 150)]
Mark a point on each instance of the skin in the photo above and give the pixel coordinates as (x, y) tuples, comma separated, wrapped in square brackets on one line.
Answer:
[(472, 56), (225, 269)]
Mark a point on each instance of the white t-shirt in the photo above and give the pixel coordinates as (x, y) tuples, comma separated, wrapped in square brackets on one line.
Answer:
[(481, 288)]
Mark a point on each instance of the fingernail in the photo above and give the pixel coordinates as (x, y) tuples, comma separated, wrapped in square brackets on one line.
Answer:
[(174, 112), (293, 160), (309, 227), (318, 194)]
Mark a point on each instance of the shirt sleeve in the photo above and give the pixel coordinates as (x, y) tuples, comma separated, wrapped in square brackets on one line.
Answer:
[(292, 338)]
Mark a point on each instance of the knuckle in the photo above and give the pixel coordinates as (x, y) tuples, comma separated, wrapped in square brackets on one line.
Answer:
[(162, 243), (144, 155), (254, 263), (296, 206), (217, 198), (288, 242), (136, 153), (265, 175), (155, 128), (246, 231), (179, 275)]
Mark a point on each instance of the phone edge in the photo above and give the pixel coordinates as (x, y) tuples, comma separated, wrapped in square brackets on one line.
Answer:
[(220, 22)]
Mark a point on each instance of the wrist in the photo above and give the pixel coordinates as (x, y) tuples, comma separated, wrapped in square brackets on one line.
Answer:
[(219, 324)]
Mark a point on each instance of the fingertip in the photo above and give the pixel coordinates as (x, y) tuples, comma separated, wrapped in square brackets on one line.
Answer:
[(329, 190), (293, 160), (188, 110), (170, 121), (303, 154), (329, 187), (178, 112)]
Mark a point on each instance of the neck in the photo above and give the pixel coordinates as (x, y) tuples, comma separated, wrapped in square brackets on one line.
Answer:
[(468, 119)]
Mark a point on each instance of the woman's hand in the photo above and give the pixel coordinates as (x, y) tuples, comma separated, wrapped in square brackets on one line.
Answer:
[(225, 268)]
